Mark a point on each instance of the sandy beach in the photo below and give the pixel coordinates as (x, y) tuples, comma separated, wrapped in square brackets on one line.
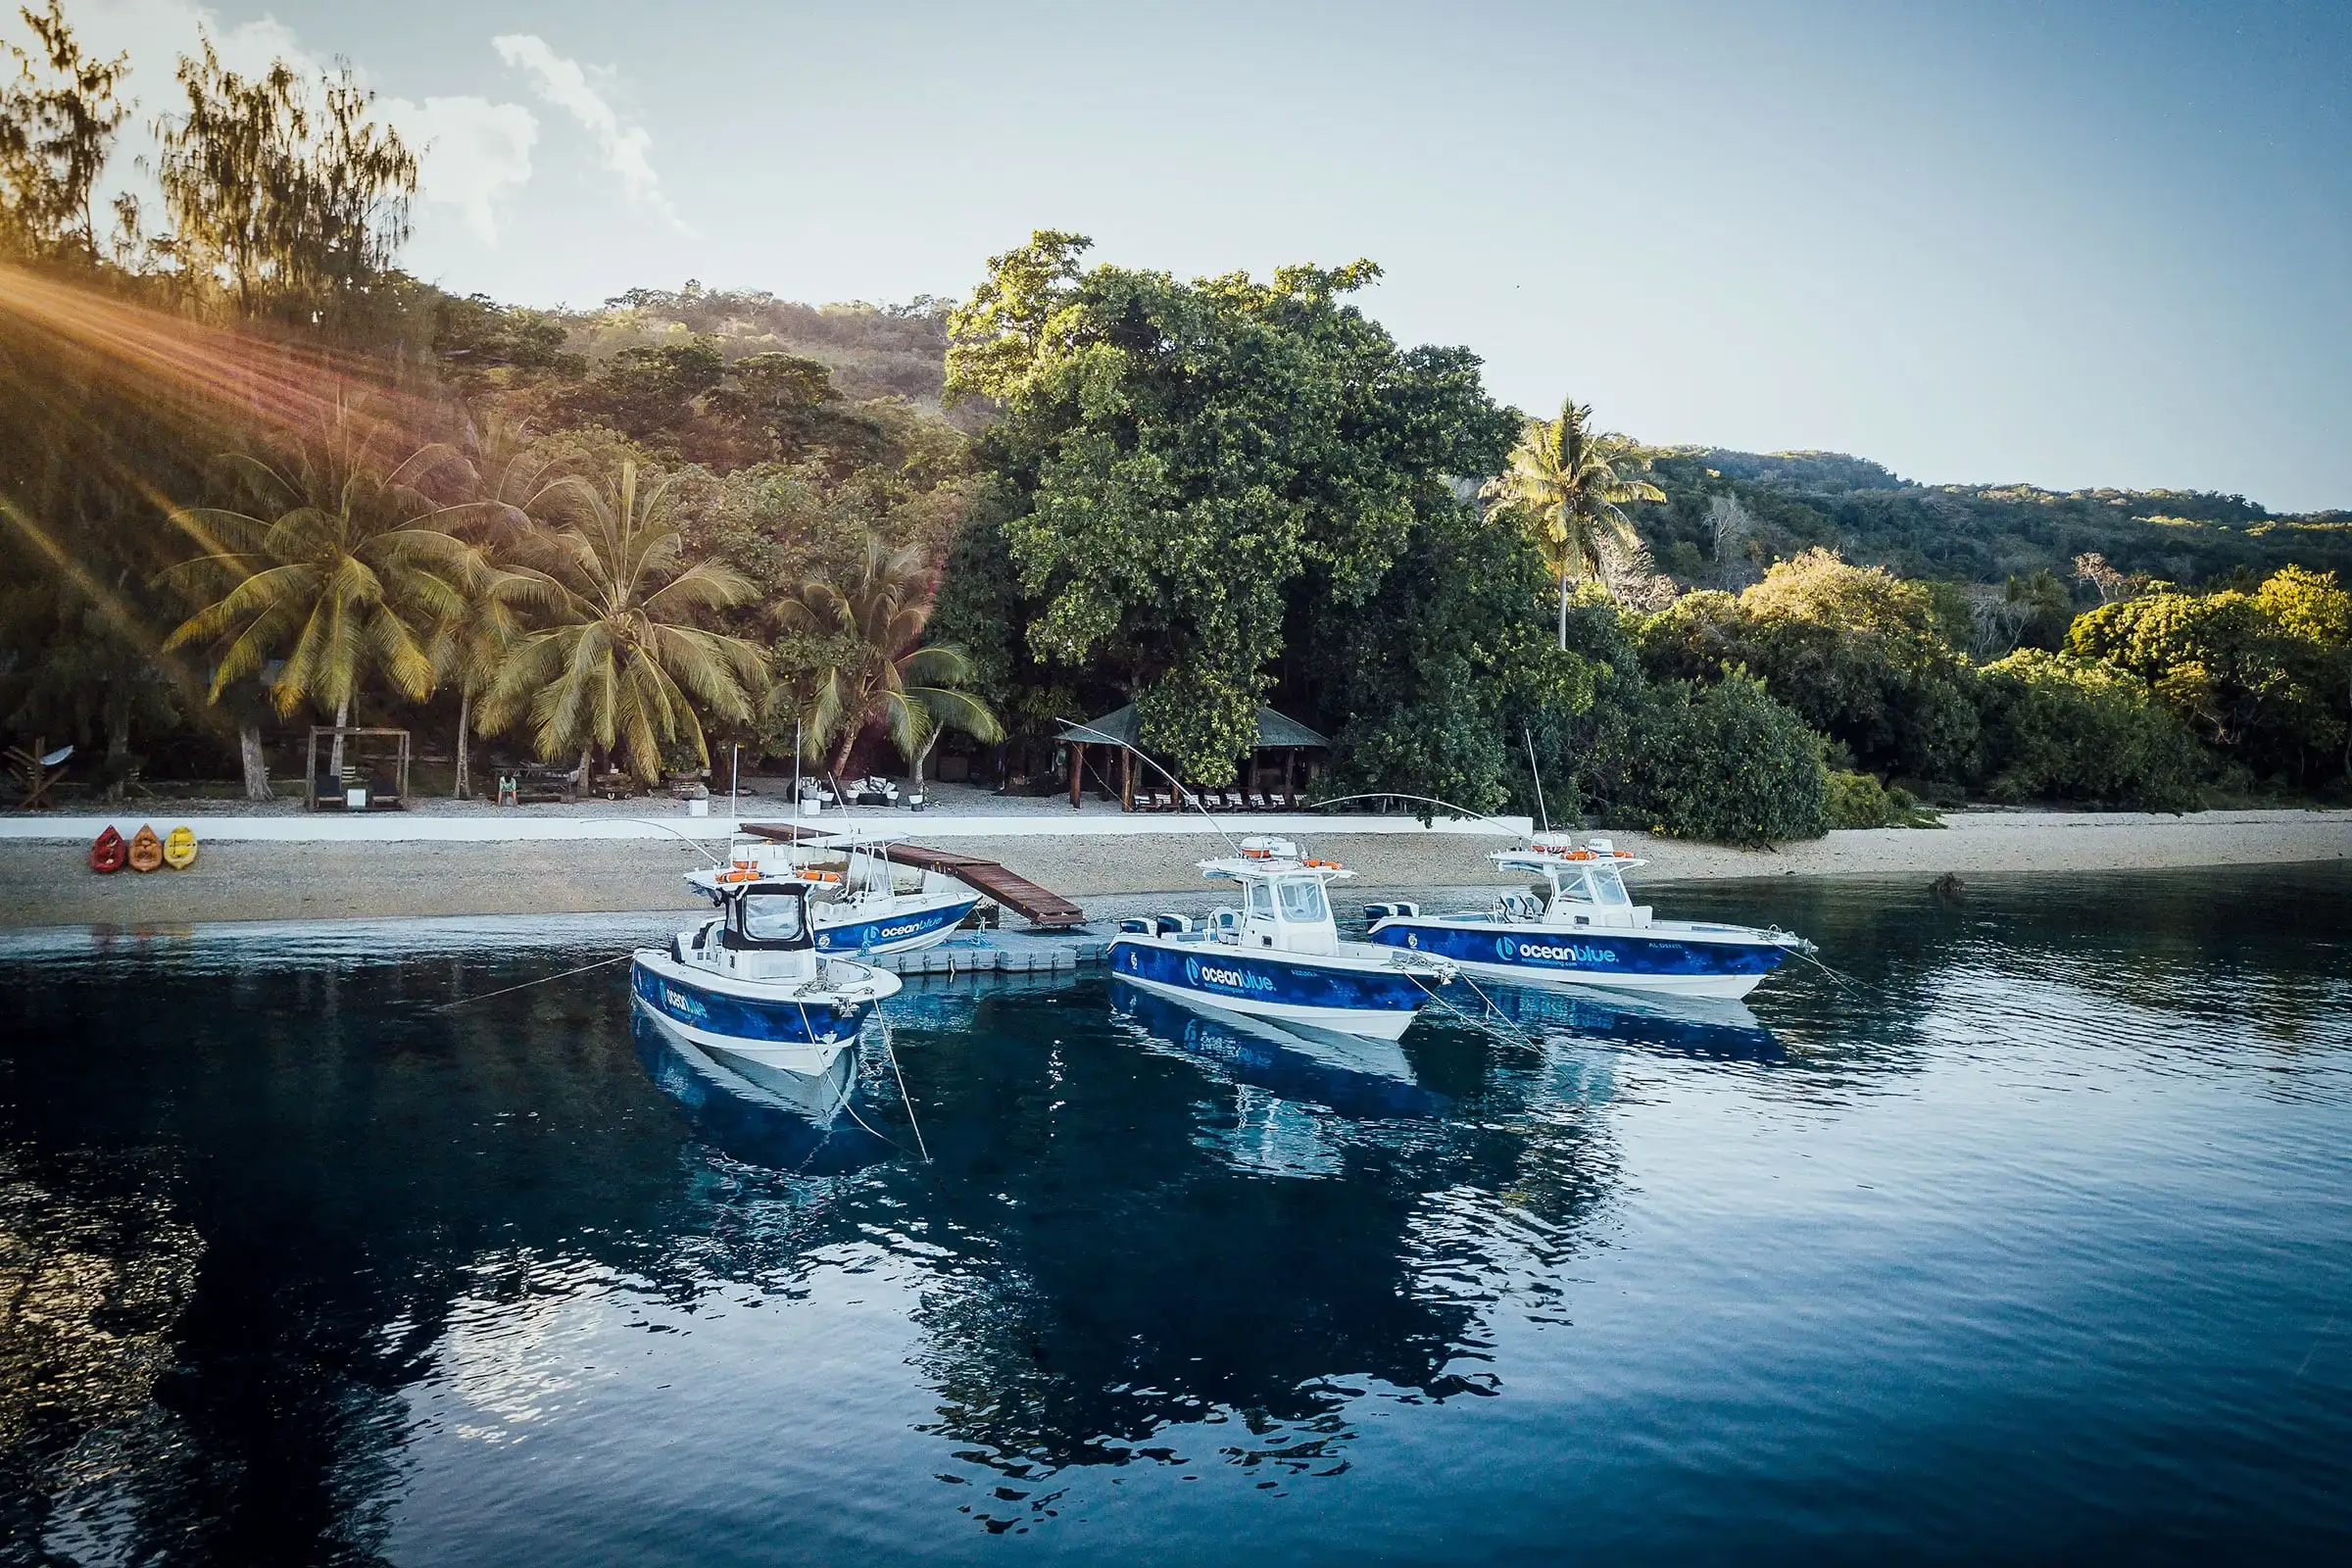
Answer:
[(48, 883)]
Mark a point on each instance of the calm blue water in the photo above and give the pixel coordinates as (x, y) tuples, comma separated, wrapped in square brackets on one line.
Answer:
[(2034, 1243)]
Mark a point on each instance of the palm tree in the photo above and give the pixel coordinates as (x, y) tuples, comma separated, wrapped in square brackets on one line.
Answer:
[(505, 469), (870, 667), (1563, 484), (338, 569), (615, 661)]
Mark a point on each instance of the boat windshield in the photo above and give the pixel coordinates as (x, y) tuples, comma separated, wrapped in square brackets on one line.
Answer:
[(772, 918), (1260, 899), (1302, 902), (1608, 887)]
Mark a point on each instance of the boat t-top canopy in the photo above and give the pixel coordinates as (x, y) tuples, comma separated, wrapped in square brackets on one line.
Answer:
[(1264, 856), (1549, 853)]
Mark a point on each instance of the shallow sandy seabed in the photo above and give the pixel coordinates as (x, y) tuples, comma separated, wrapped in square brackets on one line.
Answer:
[(46, 883)]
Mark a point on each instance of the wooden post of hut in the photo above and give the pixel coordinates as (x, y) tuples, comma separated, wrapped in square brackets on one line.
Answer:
[(1126, 778), (1077, 771)]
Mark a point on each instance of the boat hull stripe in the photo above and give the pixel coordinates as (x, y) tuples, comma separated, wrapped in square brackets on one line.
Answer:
[(1236, 979), (1620, 955), (715, 1013), (893, 933)]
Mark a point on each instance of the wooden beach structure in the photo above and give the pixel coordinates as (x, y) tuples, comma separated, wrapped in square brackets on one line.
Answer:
[(1280, 747), (383, 789)]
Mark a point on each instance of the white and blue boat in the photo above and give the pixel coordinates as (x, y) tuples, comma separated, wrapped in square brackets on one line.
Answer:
[(1581, 928), (861, 900), (749, 990), (1279, 955)]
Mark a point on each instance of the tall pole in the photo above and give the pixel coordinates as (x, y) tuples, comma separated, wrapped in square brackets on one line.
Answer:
[(1528, 736), (734, 770), (796, 767)]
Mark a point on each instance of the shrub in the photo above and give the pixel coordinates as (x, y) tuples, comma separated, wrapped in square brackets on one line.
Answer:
[(2063, 729), (1859, 799), (1726, 763), (1857, 653)]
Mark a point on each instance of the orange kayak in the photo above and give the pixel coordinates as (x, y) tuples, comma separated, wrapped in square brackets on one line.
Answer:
[(108, 852), (146, 849)]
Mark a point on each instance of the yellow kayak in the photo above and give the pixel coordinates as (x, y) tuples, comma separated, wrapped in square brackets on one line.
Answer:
[(179, 848)]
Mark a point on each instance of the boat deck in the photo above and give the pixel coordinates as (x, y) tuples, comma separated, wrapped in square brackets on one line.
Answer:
[(1040, 907)]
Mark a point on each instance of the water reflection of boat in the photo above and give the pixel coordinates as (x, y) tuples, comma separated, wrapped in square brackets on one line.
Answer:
[(1350, 1075), (788, 1121), (1691, 1026)]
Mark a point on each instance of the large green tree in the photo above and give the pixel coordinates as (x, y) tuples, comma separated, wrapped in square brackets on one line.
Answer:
[(1178, 456), (291, 202), (1434, 683)]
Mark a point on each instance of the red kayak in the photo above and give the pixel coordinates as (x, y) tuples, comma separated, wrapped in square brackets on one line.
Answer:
[(109, 853)]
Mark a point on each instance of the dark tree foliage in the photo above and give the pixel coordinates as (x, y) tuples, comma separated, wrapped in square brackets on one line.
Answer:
[(2265, 676), (2065, 729), (1858, 653), (1430, 682), (1690, 760), (1184, 456)]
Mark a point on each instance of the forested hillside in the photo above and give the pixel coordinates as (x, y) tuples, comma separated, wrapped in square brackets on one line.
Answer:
[(1786, 502), (1791, 501)]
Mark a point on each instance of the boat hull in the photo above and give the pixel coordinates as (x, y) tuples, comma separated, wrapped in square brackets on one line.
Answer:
[(1672, 962), (904, 931), (783, 1034), (1362, 998)]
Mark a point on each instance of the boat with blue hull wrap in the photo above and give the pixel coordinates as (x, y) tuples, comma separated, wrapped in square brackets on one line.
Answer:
[(1279, 955), (1582, 929), (749, 989), (858, 900)]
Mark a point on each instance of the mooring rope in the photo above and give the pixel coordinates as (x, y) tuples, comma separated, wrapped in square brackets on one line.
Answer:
[(542, 980), (904, 1099)]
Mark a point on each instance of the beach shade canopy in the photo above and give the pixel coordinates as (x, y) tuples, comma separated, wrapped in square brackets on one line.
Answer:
[(1276, 732)]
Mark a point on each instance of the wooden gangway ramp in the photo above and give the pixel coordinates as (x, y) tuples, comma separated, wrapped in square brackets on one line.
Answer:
[(1040, 907)]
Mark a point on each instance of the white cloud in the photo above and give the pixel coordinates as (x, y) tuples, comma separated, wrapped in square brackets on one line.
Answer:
[(472, 153), (627, 150)]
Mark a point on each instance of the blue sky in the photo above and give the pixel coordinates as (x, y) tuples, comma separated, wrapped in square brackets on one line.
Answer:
[(2063, 244)]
